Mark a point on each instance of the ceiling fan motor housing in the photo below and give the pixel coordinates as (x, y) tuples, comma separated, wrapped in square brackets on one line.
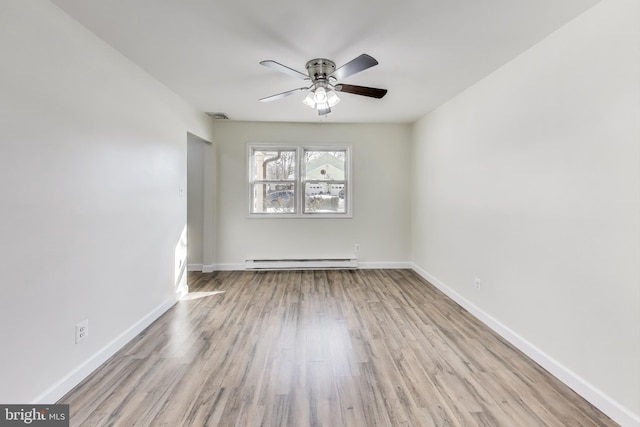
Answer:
[(320, 69)]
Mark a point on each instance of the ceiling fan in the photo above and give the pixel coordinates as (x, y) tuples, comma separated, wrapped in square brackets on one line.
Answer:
[(324, 76)]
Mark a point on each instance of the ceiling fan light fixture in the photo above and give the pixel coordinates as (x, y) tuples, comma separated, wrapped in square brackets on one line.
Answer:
[(320, 95), (321, 98), (332, 98), (309, 101)]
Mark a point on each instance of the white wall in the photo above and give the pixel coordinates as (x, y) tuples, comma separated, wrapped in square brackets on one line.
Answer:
[(530, 180), (195, 201), (201, 198), (92, 155), (381, 217)]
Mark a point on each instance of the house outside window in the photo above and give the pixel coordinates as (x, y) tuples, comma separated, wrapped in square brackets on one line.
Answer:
[(299, 181)]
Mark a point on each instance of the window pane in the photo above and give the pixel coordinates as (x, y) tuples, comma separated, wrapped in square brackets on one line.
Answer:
[(324, 165), (324, 197), (274, 197), (273, 165)]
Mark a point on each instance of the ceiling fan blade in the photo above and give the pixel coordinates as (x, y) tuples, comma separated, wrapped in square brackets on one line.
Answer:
[(282, 95), (362, 90), (356, 65), (284, 69), (324, 111)]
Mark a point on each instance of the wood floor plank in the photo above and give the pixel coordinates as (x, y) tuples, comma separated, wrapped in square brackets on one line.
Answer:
[(322, 348)]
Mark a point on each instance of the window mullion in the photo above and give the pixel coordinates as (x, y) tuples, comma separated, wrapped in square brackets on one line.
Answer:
[(300, 174)]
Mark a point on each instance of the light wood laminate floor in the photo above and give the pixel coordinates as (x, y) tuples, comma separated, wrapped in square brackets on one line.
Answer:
[(322, 348)]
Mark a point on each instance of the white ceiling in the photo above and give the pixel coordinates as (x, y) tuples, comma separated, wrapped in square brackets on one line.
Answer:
[(208, 51)]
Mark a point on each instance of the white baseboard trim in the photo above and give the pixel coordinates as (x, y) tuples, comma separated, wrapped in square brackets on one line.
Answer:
[(203, 268), (361, 265), (229, 267), (606, 404), (385, 265), (68, 382)]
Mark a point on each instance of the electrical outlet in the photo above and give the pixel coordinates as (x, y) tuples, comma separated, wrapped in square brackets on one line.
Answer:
[(82, 330), (356, 247), (477, 283)]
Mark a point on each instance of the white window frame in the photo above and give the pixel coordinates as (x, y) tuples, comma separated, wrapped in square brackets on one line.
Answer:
[(299, 181)]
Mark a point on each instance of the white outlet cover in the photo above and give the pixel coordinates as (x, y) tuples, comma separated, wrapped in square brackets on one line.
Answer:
[(82, 330)]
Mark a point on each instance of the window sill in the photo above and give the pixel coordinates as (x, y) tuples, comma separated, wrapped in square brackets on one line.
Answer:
[(298, 216)]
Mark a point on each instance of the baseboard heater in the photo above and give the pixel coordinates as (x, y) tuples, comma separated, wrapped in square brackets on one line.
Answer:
[(301, 264)]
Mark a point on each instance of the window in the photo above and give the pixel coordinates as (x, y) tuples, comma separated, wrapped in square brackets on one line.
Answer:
[(293, 181)]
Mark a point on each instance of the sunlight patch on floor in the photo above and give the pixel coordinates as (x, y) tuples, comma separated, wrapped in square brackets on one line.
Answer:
[(197, 295)]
